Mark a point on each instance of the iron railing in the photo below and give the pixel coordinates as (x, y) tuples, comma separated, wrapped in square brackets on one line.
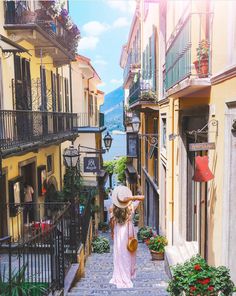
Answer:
[(182, 52), (142, 90), (88, 120), (133, 65), (18, 128), (48, 250), (19, 13)]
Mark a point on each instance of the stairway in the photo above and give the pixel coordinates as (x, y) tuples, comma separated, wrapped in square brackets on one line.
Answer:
[(151, 278)]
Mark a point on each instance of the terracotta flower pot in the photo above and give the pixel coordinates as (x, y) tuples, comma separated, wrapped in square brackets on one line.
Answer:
[(204, 68), (157, 255), (197, 66)]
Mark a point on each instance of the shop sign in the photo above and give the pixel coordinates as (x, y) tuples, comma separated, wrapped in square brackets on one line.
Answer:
[(132, 144), (201, 146), (91, 164)]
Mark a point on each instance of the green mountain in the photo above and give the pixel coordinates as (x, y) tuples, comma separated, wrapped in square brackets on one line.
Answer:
[(113, 109)]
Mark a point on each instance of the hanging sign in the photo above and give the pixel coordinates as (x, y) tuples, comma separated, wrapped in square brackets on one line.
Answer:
[(201, 146), (91, 164)]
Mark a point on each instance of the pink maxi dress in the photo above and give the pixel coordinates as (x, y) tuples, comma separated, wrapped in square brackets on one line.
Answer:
[(123, 260)]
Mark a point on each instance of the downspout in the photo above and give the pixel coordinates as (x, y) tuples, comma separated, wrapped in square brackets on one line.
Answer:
[(88, 98), (173, 168), (71, 101)]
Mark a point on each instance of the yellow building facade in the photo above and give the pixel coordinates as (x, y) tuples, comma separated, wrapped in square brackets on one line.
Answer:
[(35, 106), (195, 112)]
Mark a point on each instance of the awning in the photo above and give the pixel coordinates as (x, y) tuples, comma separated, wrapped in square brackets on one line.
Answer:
[(8, 45)]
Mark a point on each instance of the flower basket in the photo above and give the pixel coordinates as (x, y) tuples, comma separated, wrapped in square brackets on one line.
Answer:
[(156, 245), (196, 278), (202, 62), (157, 255)]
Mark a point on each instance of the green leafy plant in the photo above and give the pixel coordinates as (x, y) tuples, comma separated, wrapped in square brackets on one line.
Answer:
[(149, 95), (145, 233), (120, 168), (157, 243), (103, 226), (18, 285), (196, 277), (203, 50), (100, 245)]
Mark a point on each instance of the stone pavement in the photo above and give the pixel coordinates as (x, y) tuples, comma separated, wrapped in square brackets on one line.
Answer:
[(151, 278)]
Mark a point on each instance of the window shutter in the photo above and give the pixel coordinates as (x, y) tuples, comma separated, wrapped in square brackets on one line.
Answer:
[(43, 89), (153, 53), (59, 92), (54, 93), (18, 84), (66, 95)]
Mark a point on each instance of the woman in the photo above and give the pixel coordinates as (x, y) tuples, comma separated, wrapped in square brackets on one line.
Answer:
[(124, 205)]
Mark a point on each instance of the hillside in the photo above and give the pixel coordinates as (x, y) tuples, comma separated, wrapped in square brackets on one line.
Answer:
[(113, 109)]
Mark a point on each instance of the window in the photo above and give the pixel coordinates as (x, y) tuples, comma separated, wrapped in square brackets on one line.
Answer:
[(67, 104), (163, 138), (90, 105), (49, 164)]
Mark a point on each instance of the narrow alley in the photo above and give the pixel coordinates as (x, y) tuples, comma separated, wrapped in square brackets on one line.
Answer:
[(151, 278)]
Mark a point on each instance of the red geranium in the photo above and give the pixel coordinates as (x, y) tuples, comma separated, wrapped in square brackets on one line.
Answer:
[(204, 281), (197, 267), (211, 288), (192, 289)]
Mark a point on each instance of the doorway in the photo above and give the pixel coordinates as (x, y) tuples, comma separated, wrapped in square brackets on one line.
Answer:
[(3, 207), (196, 199)]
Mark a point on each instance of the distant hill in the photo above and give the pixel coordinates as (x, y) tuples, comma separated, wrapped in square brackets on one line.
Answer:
[(113, 109)]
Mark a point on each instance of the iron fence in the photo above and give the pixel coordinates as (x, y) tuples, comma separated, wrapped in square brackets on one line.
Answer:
[(19, 127), (47, 247)]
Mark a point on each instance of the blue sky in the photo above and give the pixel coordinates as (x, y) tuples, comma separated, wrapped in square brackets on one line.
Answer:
[(104, 26)]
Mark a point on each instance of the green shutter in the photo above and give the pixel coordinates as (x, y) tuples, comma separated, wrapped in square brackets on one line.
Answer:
[(153, 53)]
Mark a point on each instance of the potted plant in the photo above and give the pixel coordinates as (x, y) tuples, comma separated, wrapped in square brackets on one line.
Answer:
[(100, 245), (156, 245), (144, 233), (196, 278), (202, 62), (104, 227)]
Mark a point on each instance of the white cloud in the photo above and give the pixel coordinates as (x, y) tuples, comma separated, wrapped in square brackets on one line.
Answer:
[(121, 22), (102, 84), (100, 61), (116, 81), (95, 28), (123, 6), (88, 42)]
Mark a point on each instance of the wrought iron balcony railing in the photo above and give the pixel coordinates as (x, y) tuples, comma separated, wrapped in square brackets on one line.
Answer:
[(18, 128), (19, 13), (142, 90), (188, 53)]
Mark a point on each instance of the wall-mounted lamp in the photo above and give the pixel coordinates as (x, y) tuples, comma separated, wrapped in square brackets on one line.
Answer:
[(233, 130), (152, 139)]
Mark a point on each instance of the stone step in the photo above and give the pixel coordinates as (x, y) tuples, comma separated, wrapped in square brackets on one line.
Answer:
[(132, 291), (143, 284)]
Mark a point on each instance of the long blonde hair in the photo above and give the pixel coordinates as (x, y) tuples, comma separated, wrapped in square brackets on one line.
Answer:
[(121, 215)]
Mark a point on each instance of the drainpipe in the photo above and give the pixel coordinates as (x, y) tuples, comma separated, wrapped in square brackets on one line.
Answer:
[(88, 98), (173, 168), (71, 101)]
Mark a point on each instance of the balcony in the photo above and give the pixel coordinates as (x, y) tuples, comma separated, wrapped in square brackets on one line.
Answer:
[(132, 67), (141, 93), (188, 58), (26, 129), (41, 28), (91, 123)]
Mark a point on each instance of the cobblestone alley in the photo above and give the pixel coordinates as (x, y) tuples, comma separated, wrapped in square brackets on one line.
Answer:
[(151, 278)]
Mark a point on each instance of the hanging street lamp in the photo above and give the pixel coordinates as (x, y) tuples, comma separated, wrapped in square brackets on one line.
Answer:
[(71, 157), (135, 123), (107, 141)]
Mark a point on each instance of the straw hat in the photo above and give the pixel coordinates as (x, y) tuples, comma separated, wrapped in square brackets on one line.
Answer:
[(120, 195)]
